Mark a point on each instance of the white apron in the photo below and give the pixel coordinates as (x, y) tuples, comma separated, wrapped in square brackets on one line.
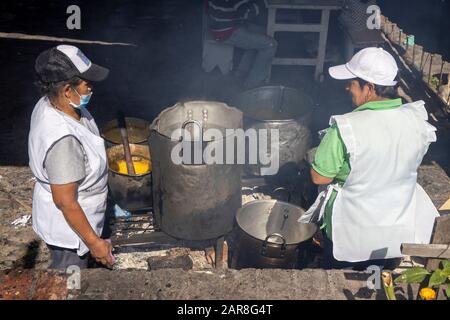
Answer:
[(380, 205), (48, 126)]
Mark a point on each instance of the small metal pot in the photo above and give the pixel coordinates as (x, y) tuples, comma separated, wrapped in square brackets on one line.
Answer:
[(130, 192), (269, 235), (138, 132)]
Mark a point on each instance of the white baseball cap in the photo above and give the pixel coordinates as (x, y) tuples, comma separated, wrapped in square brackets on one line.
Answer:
[(374, 65)]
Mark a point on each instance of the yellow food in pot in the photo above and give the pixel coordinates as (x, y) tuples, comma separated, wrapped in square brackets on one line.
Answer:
[(141, 166)]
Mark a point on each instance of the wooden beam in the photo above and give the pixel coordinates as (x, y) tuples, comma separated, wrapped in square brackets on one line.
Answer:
[(219, 246), (441, 236), (441, 232), (294, 62), (440, 251), (305, 4), (22, 36), (325, 20), (152, 238), (283, 27), (158, 239)]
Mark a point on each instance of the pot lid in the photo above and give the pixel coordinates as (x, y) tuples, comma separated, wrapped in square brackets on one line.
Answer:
[(196, 117), (274, 103), (263, 218)]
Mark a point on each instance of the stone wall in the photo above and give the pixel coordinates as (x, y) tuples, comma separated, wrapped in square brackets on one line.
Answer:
[(433, 69)]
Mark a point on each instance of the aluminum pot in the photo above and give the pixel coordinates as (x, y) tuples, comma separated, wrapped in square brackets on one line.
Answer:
[(130, 192), (194, 201), (269, 236), (138, 132), (285, 109)]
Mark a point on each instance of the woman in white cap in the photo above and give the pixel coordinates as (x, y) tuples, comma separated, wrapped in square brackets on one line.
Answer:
[(67, 157), (369, 159)]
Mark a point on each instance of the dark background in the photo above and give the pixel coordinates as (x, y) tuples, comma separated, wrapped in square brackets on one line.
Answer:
[(165, 67)]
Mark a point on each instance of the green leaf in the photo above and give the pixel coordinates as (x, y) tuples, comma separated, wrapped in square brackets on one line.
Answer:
[(437, 278), (446, 273), (447, 291), (390, 293), (388, 285), (446, 265), (413, 275)]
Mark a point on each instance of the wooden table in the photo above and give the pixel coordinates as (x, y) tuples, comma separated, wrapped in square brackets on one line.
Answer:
[(325, 6)]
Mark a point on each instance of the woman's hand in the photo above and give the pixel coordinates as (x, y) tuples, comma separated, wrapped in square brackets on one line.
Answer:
[(101, 252)]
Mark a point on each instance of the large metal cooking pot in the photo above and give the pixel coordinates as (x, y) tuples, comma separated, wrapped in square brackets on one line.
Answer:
[(269, 235), (194, 201), (282, 108), (130, 192), (138, 132)]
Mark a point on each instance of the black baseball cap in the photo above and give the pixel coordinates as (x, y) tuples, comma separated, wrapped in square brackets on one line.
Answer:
[(65, 62)]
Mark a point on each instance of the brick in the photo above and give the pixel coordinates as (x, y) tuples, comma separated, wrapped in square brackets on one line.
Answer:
[(16, 285), (50, 286)]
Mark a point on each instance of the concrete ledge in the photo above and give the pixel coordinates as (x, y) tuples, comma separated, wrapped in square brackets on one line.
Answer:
[(177, 284)]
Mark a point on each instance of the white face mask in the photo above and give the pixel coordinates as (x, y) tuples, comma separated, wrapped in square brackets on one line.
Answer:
[(84, 100)]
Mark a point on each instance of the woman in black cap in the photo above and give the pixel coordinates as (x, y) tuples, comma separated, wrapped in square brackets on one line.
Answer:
[(68, 159)]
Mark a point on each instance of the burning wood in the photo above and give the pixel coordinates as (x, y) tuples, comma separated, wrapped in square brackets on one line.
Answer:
[(210, 255)]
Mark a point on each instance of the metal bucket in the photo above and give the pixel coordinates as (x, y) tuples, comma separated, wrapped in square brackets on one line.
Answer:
[(138, 132), (269, 235), (194, 201), (130, 192), (285, 109)]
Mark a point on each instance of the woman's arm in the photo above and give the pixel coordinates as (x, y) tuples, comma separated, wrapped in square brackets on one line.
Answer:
[(318, 179), (65, 199), (329, 158)]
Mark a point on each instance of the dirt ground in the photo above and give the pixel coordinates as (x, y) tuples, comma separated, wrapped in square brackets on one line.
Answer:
[(20, 247)]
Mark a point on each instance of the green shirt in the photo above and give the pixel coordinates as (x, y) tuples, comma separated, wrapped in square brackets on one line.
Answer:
[(332, 160)]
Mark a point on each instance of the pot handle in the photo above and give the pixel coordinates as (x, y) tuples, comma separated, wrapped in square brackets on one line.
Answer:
[(156, 123), (285, 190), (266, 241), (192, 121)]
